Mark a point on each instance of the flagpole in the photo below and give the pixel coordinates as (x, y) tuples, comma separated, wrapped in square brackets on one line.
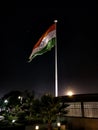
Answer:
[(56, 73)]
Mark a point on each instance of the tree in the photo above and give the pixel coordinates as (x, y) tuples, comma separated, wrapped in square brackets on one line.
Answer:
[(12, 98), (27, 107), (51, 109), (47, 109)]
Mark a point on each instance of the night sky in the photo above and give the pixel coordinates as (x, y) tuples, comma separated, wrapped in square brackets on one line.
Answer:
[(21, 28)]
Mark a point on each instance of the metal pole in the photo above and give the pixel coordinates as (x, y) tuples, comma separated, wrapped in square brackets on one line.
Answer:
[(56, 73)]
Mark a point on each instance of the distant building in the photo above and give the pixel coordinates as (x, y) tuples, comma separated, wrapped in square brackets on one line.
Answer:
[(82, 105), (82, 111)]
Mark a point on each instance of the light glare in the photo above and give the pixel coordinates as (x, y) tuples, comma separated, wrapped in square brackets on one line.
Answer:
[(69, 93)]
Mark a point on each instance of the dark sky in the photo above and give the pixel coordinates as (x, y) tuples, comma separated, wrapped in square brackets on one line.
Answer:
[(21, 28)]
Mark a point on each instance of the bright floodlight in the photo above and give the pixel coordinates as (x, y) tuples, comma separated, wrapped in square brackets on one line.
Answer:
[(69, 93)]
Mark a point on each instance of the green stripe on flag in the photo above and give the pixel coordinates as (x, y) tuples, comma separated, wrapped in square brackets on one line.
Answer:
[(48, 47)]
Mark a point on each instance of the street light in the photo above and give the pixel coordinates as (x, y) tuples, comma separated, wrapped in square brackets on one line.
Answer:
[(5, 105), (13, 120), (5, 101), (58, 124), (19, 97), (36, 127)]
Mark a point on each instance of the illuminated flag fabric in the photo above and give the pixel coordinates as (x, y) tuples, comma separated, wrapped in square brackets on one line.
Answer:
[(45, 43)]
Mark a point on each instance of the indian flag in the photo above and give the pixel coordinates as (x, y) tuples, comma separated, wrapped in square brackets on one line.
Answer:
[(45, 43)]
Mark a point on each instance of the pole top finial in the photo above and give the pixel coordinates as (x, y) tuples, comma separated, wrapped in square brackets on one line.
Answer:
[(55, 21)]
